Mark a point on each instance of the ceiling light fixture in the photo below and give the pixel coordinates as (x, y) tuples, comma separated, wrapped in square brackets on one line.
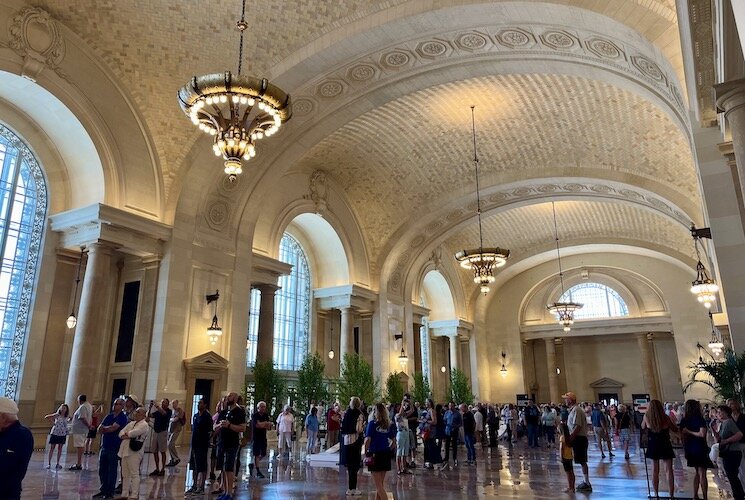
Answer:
[(481, 260), (503, 371), (72, 320), (214, 332), (237, 110), (564, 310), (704, 287), (715, 344)]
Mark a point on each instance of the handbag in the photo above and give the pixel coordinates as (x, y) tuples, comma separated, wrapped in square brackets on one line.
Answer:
[(135, 444), (369, 460)]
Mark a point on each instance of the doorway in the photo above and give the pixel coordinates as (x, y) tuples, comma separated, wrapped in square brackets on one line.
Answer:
[(608, 398), (202, 390)]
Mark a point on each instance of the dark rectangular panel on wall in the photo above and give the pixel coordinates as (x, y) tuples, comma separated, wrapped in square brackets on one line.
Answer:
[(118, 388), (127, 322), (357, 339)]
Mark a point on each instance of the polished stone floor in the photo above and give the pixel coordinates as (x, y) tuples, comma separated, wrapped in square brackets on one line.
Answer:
[(506, 471)]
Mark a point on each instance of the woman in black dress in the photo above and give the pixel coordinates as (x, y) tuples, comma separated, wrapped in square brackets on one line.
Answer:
[(659, 446), (352, 425), (693, 428)]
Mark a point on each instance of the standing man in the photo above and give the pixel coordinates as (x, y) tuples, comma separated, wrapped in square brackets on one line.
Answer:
[(412, 418), (16, 446), (469, 433), (333, 424), (260, 423), (108, 458), (201, 434), (492, 420), (600, 428), (82, 421), (174, 429), (161, 416), (577, 425), (531, 419), (453, 421), (230, 428)]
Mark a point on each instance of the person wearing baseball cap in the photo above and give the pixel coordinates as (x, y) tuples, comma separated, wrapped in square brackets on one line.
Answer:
[(577, 424), (16, 446)]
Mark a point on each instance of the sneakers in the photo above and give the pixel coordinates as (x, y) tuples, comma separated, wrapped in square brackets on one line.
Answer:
[(583, 486), (156, 472), (58, 466), (354, 493), (76, 467)]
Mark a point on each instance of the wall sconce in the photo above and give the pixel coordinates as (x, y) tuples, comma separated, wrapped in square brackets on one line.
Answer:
[(558, 370), (72, 320), (443, 369), (503, 371), (403, 359), (214, 332)]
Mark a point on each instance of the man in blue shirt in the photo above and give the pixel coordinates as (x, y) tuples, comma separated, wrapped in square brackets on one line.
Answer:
[(108, 459), (453, 421), (600, 428), (532, 417), (16, 446), (201, 434)]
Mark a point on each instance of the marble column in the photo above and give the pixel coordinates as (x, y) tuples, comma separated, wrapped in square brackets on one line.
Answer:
[(417, 348), (553, 378), (454, 355), (727, 229), (648, 366), (265, 343), (90, 331), (346, 336)]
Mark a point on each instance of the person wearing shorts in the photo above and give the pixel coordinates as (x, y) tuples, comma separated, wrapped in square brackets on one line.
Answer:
[(260, 423), (161, 416), (577, 427), (402, 440), (230, 428)]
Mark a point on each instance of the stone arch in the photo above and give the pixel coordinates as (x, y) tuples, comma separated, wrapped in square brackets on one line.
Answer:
[(438, 296)]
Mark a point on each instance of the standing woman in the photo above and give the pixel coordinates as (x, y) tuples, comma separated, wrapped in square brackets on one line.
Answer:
[(659, 446), (311, 428), (351, 426), (378, 449), (548, 420), (58, 435), (429, 427), (728, 437), (131, 450), (623, 428), (96, 419), (693, 430), (285, 423)]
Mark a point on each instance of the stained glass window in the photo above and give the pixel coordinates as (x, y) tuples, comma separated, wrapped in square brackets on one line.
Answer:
[(23, 206), (598, 301)]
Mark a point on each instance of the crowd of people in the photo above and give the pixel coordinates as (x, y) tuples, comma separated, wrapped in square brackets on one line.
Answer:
[(383, 436)]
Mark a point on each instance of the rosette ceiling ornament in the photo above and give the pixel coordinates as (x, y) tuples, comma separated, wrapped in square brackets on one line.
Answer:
[(237, 110), (564, 310), (482, 261)]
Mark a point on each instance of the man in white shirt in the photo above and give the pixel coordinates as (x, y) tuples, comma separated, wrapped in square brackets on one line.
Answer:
[(577, 424), (81, 424)]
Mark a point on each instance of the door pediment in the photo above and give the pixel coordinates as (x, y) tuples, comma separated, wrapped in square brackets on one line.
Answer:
[(606, 383)]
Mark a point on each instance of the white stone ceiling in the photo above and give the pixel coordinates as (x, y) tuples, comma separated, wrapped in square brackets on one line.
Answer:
[(153, 47), (413, 155)]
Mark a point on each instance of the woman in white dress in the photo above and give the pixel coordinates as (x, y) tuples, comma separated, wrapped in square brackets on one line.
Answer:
[(285, 424), (131, 450)]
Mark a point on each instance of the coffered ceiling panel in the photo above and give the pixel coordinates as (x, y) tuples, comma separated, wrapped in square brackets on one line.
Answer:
[(153, 47), (413, 155), (528, 230)]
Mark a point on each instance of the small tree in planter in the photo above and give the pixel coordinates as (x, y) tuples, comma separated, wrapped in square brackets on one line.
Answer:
[(269, 386), (460, 387), (357, 379), (422, 390), (726, 378), (310, 383), (394, 390)]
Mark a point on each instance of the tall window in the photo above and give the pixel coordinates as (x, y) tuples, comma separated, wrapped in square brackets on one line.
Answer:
[(292, 307), (291, 311), (598, 301), (23, 207)]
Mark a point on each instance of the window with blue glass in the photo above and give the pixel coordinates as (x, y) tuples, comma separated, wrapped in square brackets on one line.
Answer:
[(23, 206), (291, 311), (598, 301)]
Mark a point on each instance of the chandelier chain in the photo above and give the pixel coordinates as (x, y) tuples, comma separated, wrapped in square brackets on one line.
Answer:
[(242, 25), (476, 166), (558, 252)]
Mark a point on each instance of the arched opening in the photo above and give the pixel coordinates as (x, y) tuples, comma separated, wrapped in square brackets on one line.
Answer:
[(598, 301)]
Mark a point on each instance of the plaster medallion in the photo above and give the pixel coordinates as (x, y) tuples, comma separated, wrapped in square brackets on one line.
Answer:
[(628, 193), (331, 88), (574, 187), (513, 38), (559, 39), (227, 185), (417, 241), (434, 225), (547, 188), (602, 189), (35, 36), (302, 107), (648, 68), (522, 191), (217, 214), (455, 214), (395, 59), (431, 49), (361, 72), (498, 197), (603, 48), (471, 41)]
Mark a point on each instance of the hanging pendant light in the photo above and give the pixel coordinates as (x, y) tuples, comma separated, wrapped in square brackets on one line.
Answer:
[(564, 310), (703, 287), (72, 320), (214, 331), (235, 109), (715, 344), (482, 261)]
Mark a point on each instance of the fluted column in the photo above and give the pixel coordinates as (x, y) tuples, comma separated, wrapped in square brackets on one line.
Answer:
[(417, 348), (346, 344), (454, 360), (553, 378), (90, 330), (265, 344), (648, 365)]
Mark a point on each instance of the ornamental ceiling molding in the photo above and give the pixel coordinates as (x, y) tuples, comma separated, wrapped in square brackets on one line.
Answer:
[(326, 93), (35, 36), (413, 246), (704, 60)]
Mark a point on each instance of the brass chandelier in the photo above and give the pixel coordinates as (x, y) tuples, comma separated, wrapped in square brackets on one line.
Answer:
[(564, 310), (237, 110), (481, 260), (703, 287)]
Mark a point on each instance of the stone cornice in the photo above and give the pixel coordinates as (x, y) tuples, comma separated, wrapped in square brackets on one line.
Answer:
[(338, 297), (584, 328)]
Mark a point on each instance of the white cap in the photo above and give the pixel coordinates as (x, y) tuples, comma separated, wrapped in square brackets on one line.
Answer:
[(8, 406)]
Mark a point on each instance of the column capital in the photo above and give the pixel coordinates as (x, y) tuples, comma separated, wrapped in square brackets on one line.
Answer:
[(730, 95), (266, 288)]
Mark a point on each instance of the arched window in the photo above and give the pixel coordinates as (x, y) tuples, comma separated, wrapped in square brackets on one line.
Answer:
[(23, 210), (291, 311), (598, 301)]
